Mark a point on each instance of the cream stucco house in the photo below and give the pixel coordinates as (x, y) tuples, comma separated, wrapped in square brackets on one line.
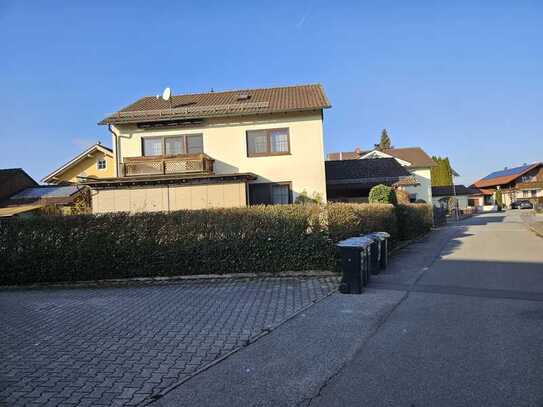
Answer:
[(215, 149), (414, 159)]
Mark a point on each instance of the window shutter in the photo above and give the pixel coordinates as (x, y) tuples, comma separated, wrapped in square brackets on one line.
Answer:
[(259, 194)]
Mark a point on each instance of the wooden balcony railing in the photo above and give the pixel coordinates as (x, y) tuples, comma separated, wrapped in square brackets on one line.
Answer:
[(164, 165)]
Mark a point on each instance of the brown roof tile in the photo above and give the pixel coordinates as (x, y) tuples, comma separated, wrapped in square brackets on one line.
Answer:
[(414, 155), (222, 104)]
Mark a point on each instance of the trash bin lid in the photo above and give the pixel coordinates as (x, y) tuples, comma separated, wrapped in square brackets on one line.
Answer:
[(359, 241), (380, 235)]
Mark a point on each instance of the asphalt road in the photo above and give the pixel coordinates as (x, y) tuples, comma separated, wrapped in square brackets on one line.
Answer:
[(457, 320)]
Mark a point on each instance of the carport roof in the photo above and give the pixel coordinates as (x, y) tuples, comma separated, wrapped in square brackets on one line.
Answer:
[(168, 180)]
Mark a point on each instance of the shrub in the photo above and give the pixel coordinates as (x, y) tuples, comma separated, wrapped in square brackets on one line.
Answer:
[(381, 194), (413, 220), (499, 198), (401, 196), (303, 198)]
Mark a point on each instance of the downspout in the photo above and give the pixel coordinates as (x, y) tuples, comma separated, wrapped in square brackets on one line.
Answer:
[(116, 150)]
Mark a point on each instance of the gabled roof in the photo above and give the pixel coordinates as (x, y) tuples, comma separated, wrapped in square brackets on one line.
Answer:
[(222, 104), (357, 171), (448, 190), (505, 176), (76, 160), (416, 156)]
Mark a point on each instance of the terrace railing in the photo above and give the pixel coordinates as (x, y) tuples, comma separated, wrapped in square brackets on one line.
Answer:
[(164, 165)]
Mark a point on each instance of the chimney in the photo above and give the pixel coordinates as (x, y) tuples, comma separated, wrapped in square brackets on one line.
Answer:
[(358, 151)]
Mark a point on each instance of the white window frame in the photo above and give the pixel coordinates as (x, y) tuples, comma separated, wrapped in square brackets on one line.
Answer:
[(100, 160)]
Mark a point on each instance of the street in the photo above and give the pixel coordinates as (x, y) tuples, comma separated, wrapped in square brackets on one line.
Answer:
[(457, 320)]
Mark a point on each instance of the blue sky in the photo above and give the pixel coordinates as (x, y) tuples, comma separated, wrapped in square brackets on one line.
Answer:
[(462, 79)]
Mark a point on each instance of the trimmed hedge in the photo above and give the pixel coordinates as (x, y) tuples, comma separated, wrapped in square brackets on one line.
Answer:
[(347, 220), (241, 240), (413, 220)]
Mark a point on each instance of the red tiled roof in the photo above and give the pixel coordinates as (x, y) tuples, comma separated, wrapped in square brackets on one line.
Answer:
[(503, 180), (414, 155), (222, 104)]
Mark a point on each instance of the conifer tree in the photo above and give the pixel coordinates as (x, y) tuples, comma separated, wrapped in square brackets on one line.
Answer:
[(384, 143)]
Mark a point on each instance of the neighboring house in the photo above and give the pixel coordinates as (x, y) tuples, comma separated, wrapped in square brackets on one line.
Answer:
[(13, 180), (95, 162), (482, 199), (215, 149), (20, 195), (352, 180), (523, 182), (414, 159), (442, 196)]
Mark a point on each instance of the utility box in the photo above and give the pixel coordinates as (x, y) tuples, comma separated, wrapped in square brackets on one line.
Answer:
[(379, 254), (355, 256)]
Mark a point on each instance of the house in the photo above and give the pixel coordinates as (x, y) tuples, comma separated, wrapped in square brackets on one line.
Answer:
[(215, 149), (20, 195), (414, 159), (464, 196), (523, 182), (95, 162), (352, 180)]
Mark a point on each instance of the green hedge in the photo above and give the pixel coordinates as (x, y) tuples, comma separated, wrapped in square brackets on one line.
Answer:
[(413, 220), (243, 240), (346, 220)]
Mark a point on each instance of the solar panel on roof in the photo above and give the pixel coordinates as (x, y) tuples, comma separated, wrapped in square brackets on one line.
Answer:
[(47, 192), (507, 172)]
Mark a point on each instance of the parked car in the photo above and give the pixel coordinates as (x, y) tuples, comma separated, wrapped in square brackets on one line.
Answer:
[(522, 205)]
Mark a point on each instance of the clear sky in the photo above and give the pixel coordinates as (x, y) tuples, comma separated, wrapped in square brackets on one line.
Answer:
[(462, 79)]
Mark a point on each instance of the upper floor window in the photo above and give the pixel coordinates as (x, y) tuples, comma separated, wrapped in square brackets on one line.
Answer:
[(528, 178), (101, 164), (268, 142), (173, 145)]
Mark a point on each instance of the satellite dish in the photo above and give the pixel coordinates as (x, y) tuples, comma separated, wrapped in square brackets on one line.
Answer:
[(167, 94)]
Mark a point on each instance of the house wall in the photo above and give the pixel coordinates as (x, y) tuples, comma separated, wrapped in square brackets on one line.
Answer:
[(87, 167), (10, 184), (168, 198), (225, 141), (424, 178)]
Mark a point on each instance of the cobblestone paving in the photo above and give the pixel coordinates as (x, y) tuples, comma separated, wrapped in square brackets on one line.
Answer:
[(119, 346)]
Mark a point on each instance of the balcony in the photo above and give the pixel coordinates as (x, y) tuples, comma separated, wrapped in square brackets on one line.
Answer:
[(168, 165)]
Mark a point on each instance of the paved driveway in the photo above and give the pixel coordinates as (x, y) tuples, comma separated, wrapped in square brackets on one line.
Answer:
[(456, 320), (119, 346)]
